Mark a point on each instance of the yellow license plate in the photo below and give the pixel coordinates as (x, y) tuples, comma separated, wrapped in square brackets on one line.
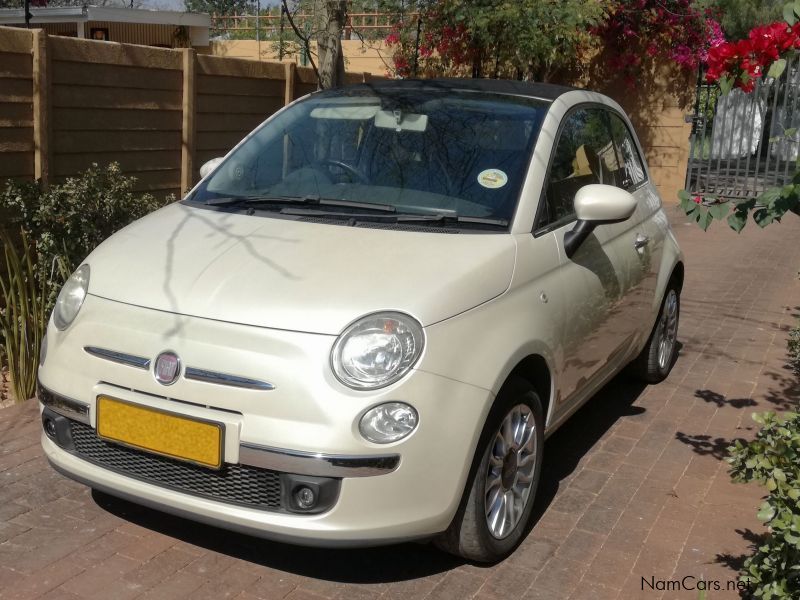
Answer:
[(160, 432)]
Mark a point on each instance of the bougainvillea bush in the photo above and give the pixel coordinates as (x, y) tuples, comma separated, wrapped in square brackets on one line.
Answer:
[(739, 64), (524, 39), (541, 39), (635, 30)]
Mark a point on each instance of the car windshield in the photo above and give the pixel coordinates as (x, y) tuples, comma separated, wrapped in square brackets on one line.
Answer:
[(417, 151)]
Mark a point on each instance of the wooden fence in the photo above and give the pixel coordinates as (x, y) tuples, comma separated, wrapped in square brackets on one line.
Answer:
[(67, 103), (161, 113)]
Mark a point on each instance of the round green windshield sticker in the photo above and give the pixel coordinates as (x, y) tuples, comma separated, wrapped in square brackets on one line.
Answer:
[(492, 178)]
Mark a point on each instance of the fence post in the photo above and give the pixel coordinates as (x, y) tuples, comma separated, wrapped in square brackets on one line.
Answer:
[(188, 128), (290, 75), (41, 108)]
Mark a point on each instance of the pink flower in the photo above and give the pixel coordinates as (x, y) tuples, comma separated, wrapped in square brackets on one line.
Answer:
[(698, 199)]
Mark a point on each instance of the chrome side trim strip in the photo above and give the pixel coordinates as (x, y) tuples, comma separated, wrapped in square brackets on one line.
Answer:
[(225, 379), (62, 405), (119, 357), (317, 464)]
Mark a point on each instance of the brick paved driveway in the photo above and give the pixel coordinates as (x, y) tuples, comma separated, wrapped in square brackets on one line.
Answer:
[(633, 486)]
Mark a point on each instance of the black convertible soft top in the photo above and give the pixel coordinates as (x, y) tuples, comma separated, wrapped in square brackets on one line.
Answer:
[(545, 91)]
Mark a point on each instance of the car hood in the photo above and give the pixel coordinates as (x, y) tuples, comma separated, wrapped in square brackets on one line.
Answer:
[(295, 275)]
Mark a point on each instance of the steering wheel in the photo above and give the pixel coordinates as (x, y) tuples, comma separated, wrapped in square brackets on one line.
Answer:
[(354, 173)]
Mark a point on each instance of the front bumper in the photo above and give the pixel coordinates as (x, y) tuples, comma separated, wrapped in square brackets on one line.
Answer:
[(307, 425)]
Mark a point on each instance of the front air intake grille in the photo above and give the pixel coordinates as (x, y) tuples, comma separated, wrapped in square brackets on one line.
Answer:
[(234, 484)]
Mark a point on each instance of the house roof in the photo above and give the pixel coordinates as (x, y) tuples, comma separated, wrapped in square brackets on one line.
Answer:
[(72, 14)]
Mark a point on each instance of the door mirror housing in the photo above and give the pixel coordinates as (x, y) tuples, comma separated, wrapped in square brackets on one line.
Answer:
[(597, 204), (209, 166)]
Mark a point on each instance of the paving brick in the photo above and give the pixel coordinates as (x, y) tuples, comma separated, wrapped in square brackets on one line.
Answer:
[(532, 555), (227, 584), (301, 594), (589, 590), (599, 519), (610, 568), (41, 582), (104, 546), (175, 586), (580, 546), (158, 568), (590, 481), (412, 588), (272, 585), (607, 462), (9, 579), (618, 444), (559, 579), (573, 501), (100, 576), (148, 547)]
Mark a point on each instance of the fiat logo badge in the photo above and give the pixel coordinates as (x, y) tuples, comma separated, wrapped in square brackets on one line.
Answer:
[(167, 368)]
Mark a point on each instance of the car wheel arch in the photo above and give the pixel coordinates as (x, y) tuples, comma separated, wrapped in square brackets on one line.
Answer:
[(677, 275), (535, 369)]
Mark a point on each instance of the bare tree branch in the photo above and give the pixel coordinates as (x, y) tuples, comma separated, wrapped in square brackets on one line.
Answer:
[(305, 40)]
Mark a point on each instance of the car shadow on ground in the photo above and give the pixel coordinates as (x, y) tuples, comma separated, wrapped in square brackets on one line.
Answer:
[(398, 562)]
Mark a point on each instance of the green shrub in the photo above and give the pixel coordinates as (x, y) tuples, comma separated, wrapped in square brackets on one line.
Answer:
[(793, 344), (71, 219), (23, 316), (773, 460), (60, 227)]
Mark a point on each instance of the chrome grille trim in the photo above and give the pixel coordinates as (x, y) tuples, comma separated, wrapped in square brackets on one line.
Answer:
[(192, 373), (317, 464), (64, 406), (225, 379), (130, 360)]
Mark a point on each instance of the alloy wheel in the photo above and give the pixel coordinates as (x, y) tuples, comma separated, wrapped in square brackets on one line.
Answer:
[(667, 330), (509, 476)]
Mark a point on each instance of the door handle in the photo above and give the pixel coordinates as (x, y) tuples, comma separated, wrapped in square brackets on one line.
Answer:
[(641, 241)]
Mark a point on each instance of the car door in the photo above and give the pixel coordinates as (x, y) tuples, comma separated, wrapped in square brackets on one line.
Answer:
[(598, 331), (647, 246)]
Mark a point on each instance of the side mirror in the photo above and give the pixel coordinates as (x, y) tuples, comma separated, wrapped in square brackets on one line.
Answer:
[(595, 205), (209, 166)]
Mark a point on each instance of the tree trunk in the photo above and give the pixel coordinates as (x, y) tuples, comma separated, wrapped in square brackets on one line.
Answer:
[(331, 19)]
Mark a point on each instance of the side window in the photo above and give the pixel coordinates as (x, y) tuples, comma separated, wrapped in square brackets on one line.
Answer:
[(584, 155), (630, 172)]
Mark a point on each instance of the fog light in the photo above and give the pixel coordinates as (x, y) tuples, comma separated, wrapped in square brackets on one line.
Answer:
[(305, 497), (388, 422), (50, 428)]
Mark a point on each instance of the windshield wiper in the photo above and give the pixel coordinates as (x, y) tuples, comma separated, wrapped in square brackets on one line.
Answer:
[(310, 200), (448, 219), (399, 218)]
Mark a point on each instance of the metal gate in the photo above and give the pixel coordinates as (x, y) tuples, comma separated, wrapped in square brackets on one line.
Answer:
[(745, 143)]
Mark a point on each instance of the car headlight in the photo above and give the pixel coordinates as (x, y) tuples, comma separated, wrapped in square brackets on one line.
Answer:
[(377, 350), (71, 297)]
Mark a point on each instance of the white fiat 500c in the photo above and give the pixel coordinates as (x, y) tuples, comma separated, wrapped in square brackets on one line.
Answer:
[(362, 323)]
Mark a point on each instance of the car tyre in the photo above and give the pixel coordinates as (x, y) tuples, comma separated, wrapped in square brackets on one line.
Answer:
[(659, 354), (514, 430)]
